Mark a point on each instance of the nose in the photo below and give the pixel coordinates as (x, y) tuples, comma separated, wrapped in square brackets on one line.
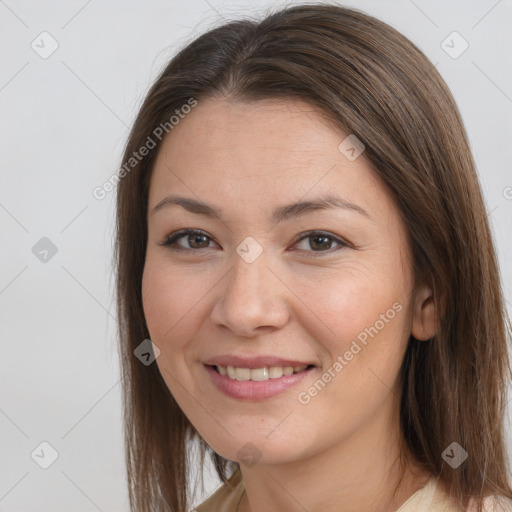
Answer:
[(253, 299)]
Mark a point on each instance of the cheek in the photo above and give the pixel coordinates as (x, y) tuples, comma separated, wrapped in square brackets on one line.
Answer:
[(344, 306), (360, 317), (362, 354), (168, 301)]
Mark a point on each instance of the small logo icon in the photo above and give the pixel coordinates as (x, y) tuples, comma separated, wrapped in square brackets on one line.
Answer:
[(249, 455), (44, 45), (455, 455), (454, 45), (147, 352), (249, 249), (351, 147), (44, 250), (44, 455)]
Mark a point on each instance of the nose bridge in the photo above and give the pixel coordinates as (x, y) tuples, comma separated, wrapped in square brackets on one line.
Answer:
[(252, 296), (250, 272)]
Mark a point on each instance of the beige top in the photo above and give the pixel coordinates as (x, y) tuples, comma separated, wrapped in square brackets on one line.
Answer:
[(430, 498)]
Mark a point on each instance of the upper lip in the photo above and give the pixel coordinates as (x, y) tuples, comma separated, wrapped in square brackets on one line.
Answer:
[(254, 362)]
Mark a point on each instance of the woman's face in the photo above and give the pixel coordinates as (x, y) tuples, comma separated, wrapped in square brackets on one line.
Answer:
[(255, 290)]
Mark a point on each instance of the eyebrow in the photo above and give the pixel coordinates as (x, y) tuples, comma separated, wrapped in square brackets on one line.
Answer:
[(278, 215)]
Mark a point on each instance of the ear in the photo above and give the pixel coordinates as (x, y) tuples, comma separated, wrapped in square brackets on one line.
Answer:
[(424, 321)]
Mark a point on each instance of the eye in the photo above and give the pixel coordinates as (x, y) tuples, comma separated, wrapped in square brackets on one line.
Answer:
[(196, 239), (319, 241)]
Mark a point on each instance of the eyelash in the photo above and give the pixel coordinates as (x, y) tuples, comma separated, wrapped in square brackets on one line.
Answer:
[(171, 240)]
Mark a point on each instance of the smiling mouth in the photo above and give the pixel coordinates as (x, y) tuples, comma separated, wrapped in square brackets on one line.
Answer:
[(259, 374)]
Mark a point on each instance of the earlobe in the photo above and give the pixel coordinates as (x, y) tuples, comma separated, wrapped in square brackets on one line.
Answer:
[(424, 321)]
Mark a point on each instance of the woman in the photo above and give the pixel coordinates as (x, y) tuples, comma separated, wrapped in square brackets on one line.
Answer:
[(302, 237)]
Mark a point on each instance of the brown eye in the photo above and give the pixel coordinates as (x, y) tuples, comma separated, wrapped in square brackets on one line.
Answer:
[(194, 238), (320, 242), (198, 241)]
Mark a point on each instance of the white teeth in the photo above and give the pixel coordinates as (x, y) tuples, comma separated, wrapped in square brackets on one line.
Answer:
[(274, 372), (242, 374), (258, 374)]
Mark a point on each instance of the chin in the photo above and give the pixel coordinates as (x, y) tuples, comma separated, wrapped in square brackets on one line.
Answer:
[(249, 452)]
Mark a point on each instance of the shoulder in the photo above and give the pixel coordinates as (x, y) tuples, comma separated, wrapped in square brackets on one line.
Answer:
[(493, 504), (441, 501), (226, 497)]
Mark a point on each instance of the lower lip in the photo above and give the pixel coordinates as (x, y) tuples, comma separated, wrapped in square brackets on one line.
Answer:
[(255, 390)]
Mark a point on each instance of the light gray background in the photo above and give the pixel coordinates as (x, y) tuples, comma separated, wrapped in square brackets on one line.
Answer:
[(63, 124)]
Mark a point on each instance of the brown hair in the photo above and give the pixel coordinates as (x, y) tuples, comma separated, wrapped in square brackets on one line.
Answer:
[(373, 82)]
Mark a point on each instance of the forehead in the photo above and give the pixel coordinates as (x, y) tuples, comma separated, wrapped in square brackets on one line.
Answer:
[(277, 130), (268, 150)]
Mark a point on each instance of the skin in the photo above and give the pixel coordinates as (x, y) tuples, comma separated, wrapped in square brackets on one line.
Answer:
[(340, 451)]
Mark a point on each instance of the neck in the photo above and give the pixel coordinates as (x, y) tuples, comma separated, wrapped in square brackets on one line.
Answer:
[(357, 474)]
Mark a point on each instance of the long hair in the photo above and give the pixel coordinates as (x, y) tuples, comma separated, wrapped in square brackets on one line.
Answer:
[(373, 82)]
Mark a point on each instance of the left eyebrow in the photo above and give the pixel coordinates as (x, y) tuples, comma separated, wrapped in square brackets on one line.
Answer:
[(280, 214), (321, 203)]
